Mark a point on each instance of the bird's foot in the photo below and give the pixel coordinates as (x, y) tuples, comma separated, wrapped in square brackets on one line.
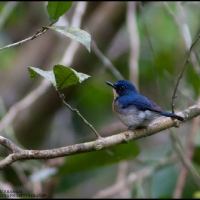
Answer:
[(176, 123), (131, 128)]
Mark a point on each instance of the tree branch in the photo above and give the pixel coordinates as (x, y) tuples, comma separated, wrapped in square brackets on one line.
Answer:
[(101, 143), (37, 34)]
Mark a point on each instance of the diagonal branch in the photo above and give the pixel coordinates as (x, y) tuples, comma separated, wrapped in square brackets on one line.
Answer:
[(101, 143), (77, 112), (181, 74), (37, 34), (10, 145)]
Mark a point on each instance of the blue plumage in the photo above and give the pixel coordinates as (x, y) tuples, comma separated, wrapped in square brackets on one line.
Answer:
[(134, 109)]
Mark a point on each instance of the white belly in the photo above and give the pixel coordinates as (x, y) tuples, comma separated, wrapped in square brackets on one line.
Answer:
[(135, 118)]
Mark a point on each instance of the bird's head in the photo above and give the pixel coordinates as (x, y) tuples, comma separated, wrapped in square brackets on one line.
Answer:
[(122, 88)]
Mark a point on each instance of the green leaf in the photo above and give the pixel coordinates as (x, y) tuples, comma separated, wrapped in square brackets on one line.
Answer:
[(56, 9), (61, 76), (33, 71), (74, 33), (66, 76), (91, 160)]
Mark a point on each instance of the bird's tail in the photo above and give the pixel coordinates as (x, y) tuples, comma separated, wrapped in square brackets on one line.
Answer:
[(167, 114)]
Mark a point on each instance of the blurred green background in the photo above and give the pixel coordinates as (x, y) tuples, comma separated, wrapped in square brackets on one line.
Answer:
[(150, 167)]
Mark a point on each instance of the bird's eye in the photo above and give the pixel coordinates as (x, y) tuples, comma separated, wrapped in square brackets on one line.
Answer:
[(121, 87)]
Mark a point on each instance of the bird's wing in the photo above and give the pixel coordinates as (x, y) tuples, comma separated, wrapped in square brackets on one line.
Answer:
[(141, 102)]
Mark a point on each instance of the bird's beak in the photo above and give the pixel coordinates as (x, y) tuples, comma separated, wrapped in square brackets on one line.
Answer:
[(110, 84)]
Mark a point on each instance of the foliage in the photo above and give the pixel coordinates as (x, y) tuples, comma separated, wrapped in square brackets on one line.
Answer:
[(74, 33), (60, 77), (57, 9)]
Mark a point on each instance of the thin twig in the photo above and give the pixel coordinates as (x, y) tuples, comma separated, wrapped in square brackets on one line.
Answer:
[(62, 96), (184, 32), (172, 82), (37, 34), (181, 74)]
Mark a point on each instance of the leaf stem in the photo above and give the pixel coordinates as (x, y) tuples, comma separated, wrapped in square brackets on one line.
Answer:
[(62, 96), (37, 34)]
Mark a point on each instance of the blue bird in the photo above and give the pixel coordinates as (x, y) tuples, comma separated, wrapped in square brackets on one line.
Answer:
[(133, 109)]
